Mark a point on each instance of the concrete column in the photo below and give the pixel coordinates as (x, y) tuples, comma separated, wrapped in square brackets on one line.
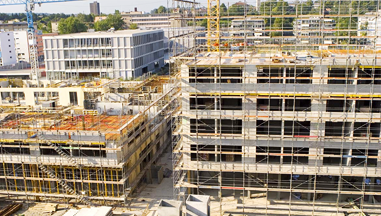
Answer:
[(250, 160), (318, 105), (279, 186), (315, 129), (149, 176), (372, 183), (320, 71), (351, 129), (315, 160), (215, 74), (249, 185), (250, 71), (349, 160), (250, 127), (216, 155), (356, 72), (186, 140), (310, 187), (322, 129), (29, 98), (340, 187)]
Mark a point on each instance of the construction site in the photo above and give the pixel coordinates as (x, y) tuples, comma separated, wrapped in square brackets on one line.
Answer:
[(270, 108), (280, 108), (83, 141)]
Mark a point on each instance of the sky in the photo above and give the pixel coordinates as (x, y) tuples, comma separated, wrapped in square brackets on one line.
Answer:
[(106, 6)]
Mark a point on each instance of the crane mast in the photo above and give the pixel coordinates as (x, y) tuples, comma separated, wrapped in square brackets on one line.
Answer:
[(213, 22), (34, 66)]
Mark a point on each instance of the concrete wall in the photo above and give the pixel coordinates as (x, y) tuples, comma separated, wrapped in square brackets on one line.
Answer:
[(198, 205), (30, 99), (169, 208)]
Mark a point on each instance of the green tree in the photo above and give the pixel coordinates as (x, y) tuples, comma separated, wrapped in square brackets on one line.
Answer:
[(71, 25), (236, 10), (115, 21), (102, 25), (225, 23), (223, 9), (133, 26), (49, 27), (277, 8), (112, 21), (162, 9), (85, 18), (203, 23), (307, 8), (281, 24), (239, 9), (345, 23)]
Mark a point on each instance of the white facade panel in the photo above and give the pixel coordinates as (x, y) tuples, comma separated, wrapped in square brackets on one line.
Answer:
[(109, 54), (7, 49), (22, 45)]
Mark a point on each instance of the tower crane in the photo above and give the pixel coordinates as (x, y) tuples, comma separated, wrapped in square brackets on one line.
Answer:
[(29, 8), (213, 22)]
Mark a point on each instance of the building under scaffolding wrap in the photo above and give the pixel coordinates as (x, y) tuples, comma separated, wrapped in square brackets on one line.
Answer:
[(269, 123), (99, 151)]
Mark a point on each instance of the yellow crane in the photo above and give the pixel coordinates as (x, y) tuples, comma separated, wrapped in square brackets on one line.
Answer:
[(213, 25)]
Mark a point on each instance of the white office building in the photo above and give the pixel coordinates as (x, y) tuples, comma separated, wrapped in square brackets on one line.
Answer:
[(22, 45), (181, 39), (248, 27), (119, 54), (370, 26), (314, 30), (146, 21), (7, 49), (152, 21), (14, 47)]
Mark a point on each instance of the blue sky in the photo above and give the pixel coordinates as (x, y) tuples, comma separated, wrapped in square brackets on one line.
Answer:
[(107, 6)]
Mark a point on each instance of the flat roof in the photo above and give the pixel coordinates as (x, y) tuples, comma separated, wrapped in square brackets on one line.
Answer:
[(15, 72), (249, 19), (307, 58), (134, 32), (52, 122)]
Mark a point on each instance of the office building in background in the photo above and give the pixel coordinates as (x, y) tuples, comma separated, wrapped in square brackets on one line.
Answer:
[(94, 8)]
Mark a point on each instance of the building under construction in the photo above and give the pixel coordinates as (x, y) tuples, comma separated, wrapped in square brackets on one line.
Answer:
[(91, 141), (269, 123)]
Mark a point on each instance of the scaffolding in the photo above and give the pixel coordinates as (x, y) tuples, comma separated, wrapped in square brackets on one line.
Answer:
[(280, 102), (93, 155)]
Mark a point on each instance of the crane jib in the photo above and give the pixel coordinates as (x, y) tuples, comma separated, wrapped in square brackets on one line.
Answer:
[(23, 2)]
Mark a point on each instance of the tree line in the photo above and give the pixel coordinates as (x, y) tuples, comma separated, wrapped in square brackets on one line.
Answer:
[(70, 23), (282, 7)]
